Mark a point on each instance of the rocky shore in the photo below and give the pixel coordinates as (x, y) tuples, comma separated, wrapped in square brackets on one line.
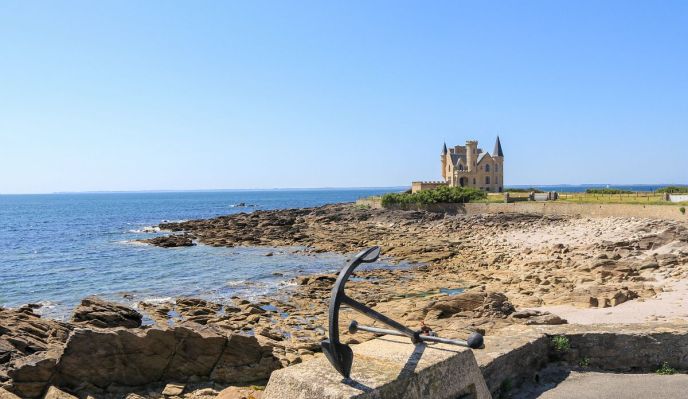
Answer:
[(472, 273)]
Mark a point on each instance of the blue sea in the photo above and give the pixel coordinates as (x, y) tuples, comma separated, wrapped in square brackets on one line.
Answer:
[(56, 249)]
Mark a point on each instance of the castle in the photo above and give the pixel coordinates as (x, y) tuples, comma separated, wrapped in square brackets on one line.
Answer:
[(469, 166)]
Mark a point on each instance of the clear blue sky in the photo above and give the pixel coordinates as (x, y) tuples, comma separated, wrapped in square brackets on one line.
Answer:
[(138, 95)]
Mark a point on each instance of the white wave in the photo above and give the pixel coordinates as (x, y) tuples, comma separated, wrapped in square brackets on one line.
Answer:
[(147, 229)]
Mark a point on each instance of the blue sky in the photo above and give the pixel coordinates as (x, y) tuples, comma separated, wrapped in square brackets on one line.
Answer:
[(125, 95)]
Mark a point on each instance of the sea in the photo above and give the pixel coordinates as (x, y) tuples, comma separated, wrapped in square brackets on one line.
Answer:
[(56, 249)]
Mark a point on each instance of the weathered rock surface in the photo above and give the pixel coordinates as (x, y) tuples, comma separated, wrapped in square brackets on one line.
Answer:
[(102, 359), (98, 313), (171, 241)]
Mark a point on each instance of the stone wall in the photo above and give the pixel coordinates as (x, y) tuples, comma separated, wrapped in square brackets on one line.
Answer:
[(391, 367), (426, 185), (665, 212)]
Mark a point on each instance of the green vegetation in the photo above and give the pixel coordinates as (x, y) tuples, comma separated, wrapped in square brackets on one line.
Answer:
[(438, 195), (561, 343), (673, 190), (584, 362), (682, 210), (665, 369), (523, 190), (607, 191)]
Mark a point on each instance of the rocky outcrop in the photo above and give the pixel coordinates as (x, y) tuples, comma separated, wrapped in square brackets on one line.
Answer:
[(24, 336), (98, 313), (171, 241), (102, 359)]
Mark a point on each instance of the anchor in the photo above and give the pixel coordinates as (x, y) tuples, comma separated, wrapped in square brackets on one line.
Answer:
[(340, 355)]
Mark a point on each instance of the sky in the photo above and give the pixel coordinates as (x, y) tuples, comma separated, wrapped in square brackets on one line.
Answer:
[(131, 95)]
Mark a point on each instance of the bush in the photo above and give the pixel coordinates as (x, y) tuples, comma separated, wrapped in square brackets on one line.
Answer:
[(673, 189), (523, 190), (561, 343), (665, 369), (607, 191), (438, 195), (682, 210)]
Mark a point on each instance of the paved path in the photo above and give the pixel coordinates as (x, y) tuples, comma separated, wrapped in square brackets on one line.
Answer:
[(619, 386)]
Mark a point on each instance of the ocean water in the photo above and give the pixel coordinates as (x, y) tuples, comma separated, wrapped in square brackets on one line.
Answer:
[(57, 249)]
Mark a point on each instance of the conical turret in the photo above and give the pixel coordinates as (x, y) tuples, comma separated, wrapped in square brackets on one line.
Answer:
[(498, 149)]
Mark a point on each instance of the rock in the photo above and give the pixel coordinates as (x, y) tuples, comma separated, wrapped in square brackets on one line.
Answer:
[(24, 333), (5, 394), (98, 313), (55, 393), (31, 374), (240, 393), (173, 389), (537, 317), (134, 357), (170, 241)]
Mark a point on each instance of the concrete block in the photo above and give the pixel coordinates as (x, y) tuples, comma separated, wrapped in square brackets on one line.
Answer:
[(386, 367)]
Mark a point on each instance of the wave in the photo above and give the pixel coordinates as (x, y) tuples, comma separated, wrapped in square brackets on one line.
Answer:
[(147, 229)]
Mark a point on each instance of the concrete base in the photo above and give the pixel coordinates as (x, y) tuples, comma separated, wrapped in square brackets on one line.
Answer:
[(386, 367)]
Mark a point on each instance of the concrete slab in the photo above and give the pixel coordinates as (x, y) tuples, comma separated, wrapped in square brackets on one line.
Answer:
[(594, 385), (386, 367)]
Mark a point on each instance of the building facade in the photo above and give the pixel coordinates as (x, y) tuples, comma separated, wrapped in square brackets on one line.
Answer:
[(470, 166)]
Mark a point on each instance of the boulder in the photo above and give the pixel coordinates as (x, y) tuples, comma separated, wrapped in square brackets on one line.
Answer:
[(98, 313), (55, 393), (5, 394), (239, 393)]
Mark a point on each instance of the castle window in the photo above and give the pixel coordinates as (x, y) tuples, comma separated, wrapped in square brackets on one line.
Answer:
[(487, 179), (496, 168), (487, 167), (460, 167), (474, 180)]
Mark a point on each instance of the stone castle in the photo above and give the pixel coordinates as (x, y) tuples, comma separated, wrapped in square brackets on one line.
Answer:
[(469, 166)]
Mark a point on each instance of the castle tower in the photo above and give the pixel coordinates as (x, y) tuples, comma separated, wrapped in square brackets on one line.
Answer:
[(498, 156), (471, 154), (443, 157)]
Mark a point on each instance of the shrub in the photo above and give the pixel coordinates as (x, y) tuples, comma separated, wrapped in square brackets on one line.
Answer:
[(665, 369), (561, 343), (523, 190), (438, 195), (584, 362), (682, 210), (673, 189), (607, 191)]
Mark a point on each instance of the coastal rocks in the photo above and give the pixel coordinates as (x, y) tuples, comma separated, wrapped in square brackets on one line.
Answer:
[(23, 333), (101, 314), (108, 359), (475, 303), (171, 241), (537, 317), (239, 393)]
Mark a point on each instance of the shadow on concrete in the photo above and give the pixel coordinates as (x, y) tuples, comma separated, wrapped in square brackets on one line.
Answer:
[(407, 371)]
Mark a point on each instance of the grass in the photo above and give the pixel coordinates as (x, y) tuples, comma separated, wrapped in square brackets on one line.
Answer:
[(561, 343), (438, 195), (665, 369), (640, 198), (673, 189)]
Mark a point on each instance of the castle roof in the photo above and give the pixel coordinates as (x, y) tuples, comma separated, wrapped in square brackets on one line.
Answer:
[(444, 149), (498, 149), (483, 155), (455, 159)]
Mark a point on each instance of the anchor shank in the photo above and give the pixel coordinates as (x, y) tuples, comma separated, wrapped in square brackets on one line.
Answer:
[(381, 318)]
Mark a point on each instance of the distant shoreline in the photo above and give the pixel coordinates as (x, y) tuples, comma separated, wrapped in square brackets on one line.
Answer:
[(544, 187)]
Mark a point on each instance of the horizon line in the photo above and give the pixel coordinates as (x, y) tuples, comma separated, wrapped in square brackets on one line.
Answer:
[(323, 188)]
